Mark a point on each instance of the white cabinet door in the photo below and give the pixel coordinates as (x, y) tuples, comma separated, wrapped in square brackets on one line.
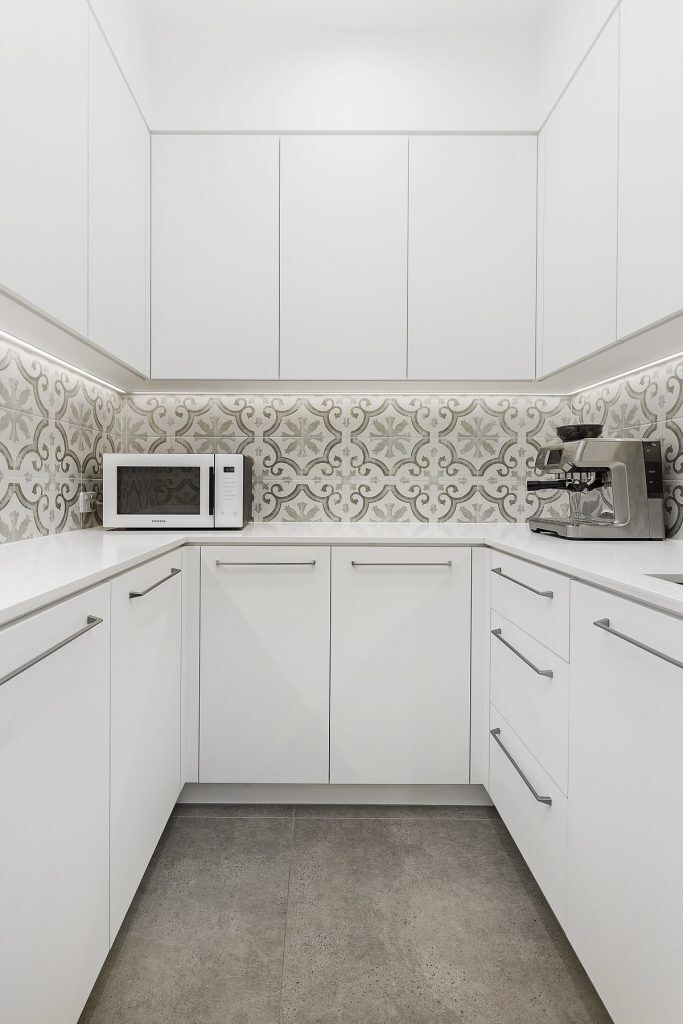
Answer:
[(343, 252), (624, 889), (650, 163), (44, 162), (472, 258), (119, 212), (54, 810), (215, 257), (400, 681), (145, 720), (578, 211), (264, 664)]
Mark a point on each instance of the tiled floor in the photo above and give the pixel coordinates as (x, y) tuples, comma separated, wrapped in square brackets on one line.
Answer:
[(314, 915)]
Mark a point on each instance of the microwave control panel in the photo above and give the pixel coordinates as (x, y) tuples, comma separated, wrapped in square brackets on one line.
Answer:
[(229, 483)]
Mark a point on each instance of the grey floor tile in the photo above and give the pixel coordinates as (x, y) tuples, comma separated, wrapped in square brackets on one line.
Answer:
[(203, 942), (423, 922), (393, 811), (234, 810)]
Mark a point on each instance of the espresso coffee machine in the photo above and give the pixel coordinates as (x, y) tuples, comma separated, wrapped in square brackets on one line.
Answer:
[(614, 486)]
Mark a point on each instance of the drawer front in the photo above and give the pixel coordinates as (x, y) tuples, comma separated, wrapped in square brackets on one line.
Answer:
[(530, 687), (533, 598), (539, 829)]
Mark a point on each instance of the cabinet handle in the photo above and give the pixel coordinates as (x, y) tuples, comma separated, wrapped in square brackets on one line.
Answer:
[(141, 593), (392, 565), (604, 624), (541, 799), (547, 672), (539, 593), (267, 563), (91, 622)]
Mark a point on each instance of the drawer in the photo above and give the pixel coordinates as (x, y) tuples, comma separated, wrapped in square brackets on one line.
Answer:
[(538, 828), (535, 599), (530, 688)]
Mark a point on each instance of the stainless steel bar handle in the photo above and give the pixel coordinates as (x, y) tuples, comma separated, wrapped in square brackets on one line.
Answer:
[(539, 593), (391, 565), (313, 562), (604, 624), (91, 622), (541, 799), (547, 672), (141, 593)]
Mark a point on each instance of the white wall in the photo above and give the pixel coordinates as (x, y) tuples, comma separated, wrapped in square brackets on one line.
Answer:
[(567, 32), (279, 65), (123, 22)]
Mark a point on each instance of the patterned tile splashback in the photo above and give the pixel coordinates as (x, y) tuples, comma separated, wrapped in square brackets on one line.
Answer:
[(438, 458), (54, 426)]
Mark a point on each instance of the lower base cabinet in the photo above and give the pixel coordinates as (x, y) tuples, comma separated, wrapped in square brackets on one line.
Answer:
[(264, 657), (54, 794), (625, 832), (400, 665), (145, 719)]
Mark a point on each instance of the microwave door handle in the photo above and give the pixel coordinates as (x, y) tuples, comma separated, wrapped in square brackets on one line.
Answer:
[(212, 489)]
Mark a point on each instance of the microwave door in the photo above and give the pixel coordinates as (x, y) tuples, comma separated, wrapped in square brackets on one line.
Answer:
[(158, 491)]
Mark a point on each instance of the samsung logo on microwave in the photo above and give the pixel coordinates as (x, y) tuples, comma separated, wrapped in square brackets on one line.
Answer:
[(158, 520)]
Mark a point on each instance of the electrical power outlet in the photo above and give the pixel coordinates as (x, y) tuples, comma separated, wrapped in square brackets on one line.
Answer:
[(85, 502)]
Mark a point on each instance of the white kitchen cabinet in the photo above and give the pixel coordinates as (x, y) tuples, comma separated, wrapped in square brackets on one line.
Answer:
[(533, 808), (472, 257), (215, 257), (44, 164), (650, 163), (343, 251), (400, 666), (625, 844), (578, 211), (264, 656), (54, 777), (533, 598), (118, 212), (145, 719)]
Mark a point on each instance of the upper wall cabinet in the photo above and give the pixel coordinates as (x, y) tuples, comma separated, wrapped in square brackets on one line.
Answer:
[(650, 163), (472, 257), (215, 257), (44, 162), (344, 257), (578, 211), (119, 212)]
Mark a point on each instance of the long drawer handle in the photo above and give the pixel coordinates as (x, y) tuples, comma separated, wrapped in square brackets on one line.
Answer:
[(541, 799), (91, 622), (391, 565), (267, 563), (547, 672), (539, 593), (604, 624), (141, 593)]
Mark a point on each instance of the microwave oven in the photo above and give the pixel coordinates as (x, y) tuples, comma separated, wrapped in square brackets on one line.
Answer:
[(156, 492)]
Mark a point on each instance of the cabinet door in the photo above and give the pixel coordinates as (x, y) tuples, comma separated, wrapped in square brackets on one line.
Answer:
[(400, 681), (264, 664), (54, 807), (343, 257), (119, 195), (44, 163), (624, 891), (215, 257), (650, 163), (145, 720), (578, 211), (472, 257)]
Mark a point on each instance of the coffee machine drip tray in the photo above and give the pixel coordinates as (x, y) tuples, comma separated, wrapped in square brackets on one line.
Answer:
[(578, 529)]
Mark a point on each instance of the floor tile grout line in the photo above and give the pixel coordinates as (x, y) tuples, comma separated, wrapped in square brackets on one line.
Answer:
[(284, 942)]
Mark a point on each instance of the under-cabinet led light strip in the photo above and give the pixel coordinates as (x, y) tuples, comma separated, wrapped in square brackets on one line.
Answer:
[(61, 362), (629, 373)]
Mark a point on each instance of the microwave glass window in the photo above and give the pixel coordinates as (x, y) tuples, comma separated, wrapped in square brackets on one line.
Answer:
[(158, 490)]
